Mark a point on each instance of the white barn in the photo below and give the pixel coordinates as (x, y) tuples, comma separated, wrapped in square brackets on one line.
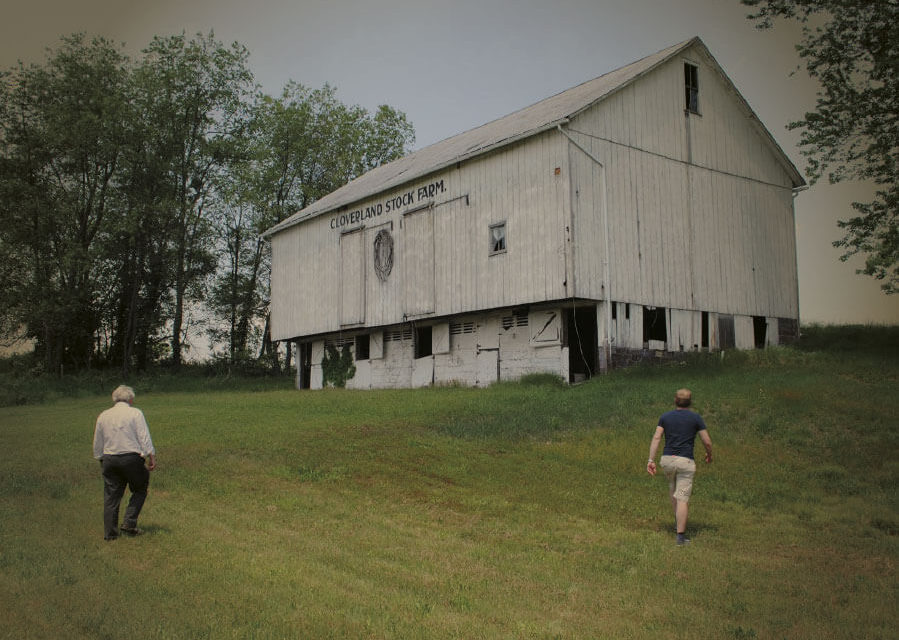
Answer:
[(644, 213)]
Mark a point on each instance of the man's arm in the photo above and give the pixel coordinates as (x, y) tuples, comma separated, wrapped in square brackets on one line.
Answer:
[(98, 442), (142, 431), (653, 448), (707, 443)]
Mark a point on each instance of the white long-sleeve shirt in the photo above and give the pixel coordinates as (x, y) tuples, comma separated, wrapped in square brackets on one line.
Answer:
[(122, 429)]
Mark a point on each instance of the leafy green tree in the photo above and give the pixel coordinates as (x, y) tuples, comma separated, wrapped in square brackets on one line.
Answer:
[(195, 95), (125, 185), (852, 48), (303, 144), (62, 126), (234, 295)]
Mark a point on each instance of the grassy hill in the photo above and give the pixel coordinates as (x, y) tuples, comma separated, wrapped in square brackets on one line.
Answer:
[(518, 511)]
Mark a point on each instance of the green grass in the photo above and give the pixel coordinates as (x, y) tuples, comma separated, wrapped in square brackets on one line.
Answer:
[(519, 511)]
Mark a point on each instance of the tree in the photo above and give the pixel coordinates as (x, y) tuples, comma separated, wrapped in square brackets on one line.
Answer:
[(852, 48), (195, 94), (62, 127), (125, 185), (303, 145)]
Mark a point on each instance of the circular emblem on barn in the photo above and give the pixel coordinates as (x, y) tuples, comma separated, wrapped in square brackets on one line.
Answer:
[(383, 250)]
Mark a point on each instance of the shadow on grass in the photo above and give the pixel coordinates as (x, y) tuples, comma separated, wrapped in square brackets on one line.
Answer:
[(693, 528), (152, 530)]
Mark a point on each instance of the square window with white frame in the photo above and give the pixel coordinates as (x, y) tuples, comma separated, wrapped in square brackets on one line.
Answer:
[(497, 238)]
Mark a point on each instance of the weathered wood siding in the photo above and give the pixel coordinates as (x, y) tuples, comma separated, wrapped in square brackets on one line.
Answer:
[(324, 278), (700, 208)]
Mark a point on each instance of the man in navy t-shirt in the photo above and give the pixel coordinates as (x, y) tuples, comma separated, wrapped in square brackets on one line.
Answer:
[(680, 428)]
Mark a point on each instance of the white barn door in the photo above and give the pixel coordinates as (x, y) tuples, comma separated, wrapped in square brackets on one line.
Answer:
[(352, 278), (418, 262), (488, 352)]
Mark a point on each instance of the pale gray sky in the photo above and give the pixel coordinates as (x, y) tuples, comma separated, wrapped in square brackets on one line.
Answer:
[(451, 66)]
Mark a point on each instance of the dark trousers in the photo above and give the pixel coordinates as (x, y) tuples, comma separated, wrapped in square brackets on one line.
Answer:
[(119, 471)]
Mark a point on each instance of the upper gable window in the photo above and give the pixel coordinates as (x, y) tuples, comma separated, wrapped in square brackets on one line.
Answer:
[(497, 238), (691, 87)]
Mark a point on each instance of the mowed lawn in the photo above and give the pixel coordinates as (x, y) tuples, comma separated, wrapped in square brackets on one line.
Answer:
[(519, 511)]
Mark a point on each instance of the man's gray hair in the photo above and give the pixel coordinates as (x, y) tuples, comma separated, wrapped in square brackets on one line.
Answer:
[(123, 393)]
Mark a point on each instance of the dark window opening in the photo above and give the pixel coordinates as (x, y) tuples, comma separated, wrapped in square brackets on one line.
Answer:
[(655, 325), (423, 346), (627, 310), (497, 238), (614, 311), (727, 338), (304, 364), (691, 87), (362, 347), (760, 331), (705, 329), (582, 341)]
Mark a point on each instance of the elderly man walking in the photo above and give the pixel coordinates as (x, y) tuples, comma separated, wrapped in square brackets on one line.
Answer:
[(123, 446), (680, 428)]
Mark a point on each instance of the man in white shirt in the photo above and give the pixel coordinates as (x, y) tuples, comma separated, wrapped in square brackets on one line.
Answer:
[(123, 446)]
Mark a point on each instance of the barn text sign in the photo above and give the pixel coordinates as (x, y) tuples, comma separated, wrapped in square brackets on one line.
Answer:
[(396, 203)]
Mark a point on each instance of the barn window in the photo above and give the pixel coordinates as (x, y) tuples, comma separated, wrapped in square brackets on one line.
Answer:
[(362, 347), (423, 343), (338, 344), (399, 335), (497, 238), (518, 319), (655, 325), (458, 328), (691, 87)]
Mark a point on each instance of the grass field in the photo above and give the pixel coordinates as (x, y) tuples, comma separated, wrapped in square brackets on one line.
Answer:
[(519, 511)]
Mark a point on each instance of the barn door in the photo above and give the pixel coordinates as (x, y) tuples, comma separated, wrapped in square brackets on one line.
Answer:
[(488, 352), (352, 278), (418, 262)]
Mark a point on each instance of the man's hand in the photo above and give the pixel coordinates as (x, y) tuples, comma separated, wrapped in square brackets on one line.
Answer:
[(707, 443), (653, 448), (152, 463)]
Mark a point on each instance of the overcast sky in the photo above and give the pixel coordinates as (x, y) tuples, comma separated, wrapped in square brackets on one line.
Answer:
[(451, 66)]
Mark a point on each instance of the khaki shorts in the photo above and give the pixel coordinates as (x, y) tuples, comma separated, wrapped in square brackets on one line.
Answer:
[(680, 472)]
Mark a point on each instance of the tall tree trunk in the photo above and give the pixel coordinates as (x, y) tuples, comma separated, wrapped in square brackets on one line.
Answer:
[(180, 284), (269, 349)]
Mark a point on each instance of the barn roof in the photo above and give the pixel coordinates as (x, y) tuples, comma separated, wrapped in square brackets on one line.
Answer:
[(529, 121)]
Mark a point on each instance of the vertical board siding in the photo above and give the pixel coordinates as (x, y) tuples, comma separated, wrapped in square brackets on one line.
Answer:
[(700, 218), (380, 295), (700, 209), (417, 253), (451, 271), (352, 290)]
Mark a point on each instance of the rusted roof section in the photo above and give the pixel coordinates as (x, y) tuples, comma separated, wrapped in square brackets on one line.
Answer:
[(538, 117)]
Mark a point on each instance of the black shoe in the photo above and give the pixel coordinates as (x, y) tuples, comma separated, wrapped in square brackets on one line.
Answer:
[(110, 538), (131, 531)]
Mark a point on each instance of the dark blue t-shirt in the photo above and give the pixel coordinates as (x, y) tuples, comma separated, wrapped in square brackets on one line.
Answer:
[(681, 427)]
